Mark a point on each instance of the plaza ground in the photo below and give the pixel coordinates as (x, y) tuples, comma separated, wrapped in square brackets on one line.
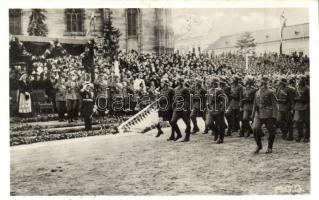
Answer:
[(140, 164)]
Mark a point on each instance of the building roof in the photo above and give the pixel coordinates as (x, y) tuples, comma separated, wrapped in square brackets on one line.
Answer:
[(264, 36)]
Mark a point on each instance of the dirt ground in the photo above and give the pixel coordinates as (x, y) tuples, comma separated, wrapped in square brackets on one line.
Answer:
[(140, 164)]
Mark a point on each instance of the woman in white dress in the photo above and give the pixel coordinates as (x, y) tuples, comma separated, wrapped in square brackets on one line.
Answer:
[(25, 106)]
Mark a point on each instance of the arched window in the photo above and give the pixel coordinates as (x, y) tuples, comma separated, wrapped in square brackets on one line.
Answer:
[(132, 22), (15, 21), (74, 20)]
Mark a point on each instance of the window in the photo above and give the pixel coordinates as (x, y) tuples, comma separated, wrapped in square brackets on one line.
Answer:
[(296, 32), (74, 20), (15, 21), (132, 22)]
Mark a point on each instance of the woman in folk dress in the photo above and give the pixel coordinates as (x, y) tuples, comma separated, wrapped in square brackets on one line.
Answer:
[(24, 96)]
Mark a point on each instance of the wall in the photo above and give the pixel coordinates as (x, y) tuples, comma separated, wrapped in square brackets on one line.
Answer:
[(299, 45)]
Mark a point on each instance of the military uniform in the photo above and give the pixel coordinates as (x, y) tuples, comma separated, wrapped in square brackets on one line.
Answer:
[(247, 102), (285, 97), (215, 112), (263, 112), (302, 111), (233, 108), (87, 105), (71, 98), (198, 107), (181, 109), (165, 112)]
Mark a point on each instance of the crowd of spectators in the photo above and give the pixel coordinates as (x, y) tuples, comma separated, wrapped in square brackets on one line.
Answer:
[(140, 74)]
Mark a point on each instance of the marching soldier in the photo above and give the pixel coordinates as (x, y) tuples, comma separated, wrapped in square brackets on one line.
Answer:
[(302, 110), (262, 114), (233, 108), (88, 102), (165, 102), (247, 101), (181, 109), (199, 103), (215, 118), (285, 99)]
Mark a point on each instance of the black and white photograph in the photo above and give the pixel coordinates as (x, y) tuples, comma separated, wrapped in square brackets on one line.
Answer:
[(160, 100)]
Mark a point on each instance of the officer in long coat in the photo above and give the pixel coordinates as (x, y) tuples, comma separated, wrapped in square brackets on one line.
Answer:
[(285, 97), (233, 108), (246, 103), (302, 110), (263, 113), (181, 109)]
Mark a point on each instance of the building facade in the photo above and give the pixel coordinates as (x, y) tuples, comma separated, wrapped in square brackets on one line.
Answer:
[(295, 38), (143, 30)]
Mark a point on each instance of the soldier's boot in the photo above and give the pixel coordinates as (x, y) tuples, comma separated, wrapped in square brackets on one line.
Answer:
[(178, 134), (271, 140), (206, 130), (300, 131), (216, 137), (220, 139), (159, 130), (258, 148), (186, 139), (228, 133), (290, 136), (241, 133), (284, 135), (195, 130), (269, 151)]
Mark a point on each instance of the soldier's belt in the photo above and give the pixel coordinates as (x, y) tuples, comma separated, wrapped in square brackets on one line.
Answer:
[(90, 100)]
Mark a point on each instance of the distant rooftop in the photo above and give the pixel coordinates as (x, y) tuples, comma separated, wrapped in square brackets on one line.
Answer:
[(264, 36)]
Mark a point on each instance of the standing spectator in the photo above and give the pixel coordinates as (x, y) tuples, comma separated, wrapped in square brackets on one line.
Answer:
[(25, 106), (60, 91)]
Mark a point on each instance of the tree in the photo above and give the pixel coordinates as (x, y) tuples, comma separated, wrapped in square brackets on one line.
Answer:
[(37, 26), (246, 43), (111, 37)]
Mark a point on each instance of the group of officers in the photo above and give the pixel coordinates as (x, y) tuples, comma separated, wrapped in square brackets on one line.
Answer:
[(238, 104)]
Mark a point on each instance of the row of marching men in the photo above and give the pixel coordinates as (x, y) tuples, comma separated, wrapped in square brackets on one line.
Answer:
[(239, 105)]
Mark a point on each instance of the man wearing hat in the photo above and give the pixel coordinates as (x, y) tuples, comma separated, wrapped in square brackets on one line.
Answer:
[(285, 97), (262, 114), (246, 103), (233, 108), (181, 109), (302, 110), (198, 106), (165, 112), (215, 118)]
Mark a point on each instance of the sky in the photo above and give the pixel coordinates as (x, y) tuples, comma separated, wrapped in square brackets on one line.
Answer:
[(216, 22)]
